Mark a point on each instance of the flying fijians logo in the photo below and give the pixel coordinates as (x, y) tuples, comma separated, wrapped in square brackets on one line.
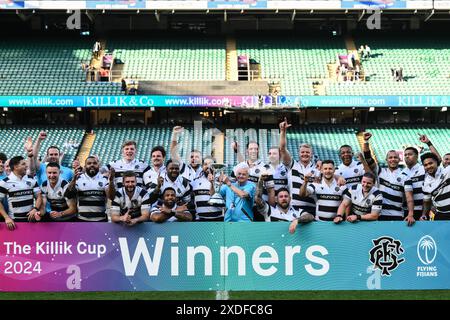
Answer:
[(426, 250), (385, 255)]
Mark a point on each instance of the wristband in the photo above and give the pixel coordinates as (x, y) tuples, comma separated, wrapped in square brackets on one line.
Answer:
[(429, 143), (36, 208), (340, 216), (358, 217)]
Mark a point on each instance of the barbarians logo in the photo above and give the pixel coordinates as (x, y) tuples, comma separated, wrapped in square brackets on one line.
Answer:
[(399, 179), (136, 167), (100, 184), (257, 171), (355, 171), (283, 173), (336, 189), (385, 255), (29, 183)]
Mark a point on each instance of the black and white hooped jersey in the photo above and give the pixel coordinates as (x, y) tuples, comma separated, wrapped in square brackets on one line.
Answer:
[(297, 172), (140, 201), (91, 197), (188, 172), (328, 198), (414, 183), (200, 189), (182, 188), (20, 194), (437, 189), (280, 176), (151, 177), (156, 210), (392, 186), (255, 171), (57, 198), (276, 213), (352, 173), (120, 166), (361, 205)]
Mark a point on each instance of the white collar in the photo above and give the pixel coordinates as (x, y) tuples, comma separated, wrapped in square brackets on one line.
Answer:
[(13, 177)]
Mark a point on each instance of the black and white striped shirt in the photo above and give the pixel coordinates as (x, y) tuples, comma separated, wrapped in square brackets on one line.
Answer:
[(182, 188), (279, 175), (361, 205), (91, 195), (352, 173), (328, 198), (57, 198), (392, 186), (276, 213), (437, 189), (20, 194), (188, 172), (156, 210), (120, 166), (200, 189), (414, 182), (140, 201), (151, 178), (296, 174)]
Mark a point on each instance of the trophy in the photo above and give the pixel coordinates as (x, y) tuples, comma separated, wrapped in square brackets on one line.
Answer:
[(216, 199)]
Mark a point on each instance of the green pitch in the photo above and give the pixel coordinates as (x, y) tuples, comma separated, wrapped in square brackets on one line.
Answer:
[(235, 295)]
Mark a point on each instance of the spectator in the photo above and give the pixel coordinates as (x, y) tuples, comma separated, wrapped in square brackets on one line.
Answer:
[(367, 51), (239, 195)]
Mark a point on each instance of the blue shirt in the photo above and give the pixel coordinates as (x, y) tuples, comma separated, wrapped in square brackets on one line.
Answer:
[(236, 205), (41, 174)]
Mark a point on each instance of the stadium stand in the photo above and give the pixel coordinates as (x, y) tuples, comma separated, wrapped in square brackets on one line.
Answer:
[(48, 67), (66, 138), (425, 62), (170, 58), (297, 62), (385, 139)]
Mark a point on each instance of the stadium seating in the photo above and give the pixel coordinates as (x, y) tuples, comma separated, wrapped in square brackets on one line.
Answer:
[(425, 62), (13, 139), (385, 139), (48, 67), (170, 58), (295, 61)]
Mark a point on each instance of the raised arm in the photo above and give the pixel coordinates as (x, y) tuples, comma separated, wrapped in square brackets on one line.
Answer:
[(367, 153), (174, 154), (284, 153), (424, 139), (37, 148)]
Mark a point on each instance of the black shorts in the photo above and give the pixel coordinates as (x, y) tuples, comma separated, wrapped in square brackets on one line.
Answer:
[(327, 219), (441, 216), (80, 220), (210, 220), (390, 218)]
